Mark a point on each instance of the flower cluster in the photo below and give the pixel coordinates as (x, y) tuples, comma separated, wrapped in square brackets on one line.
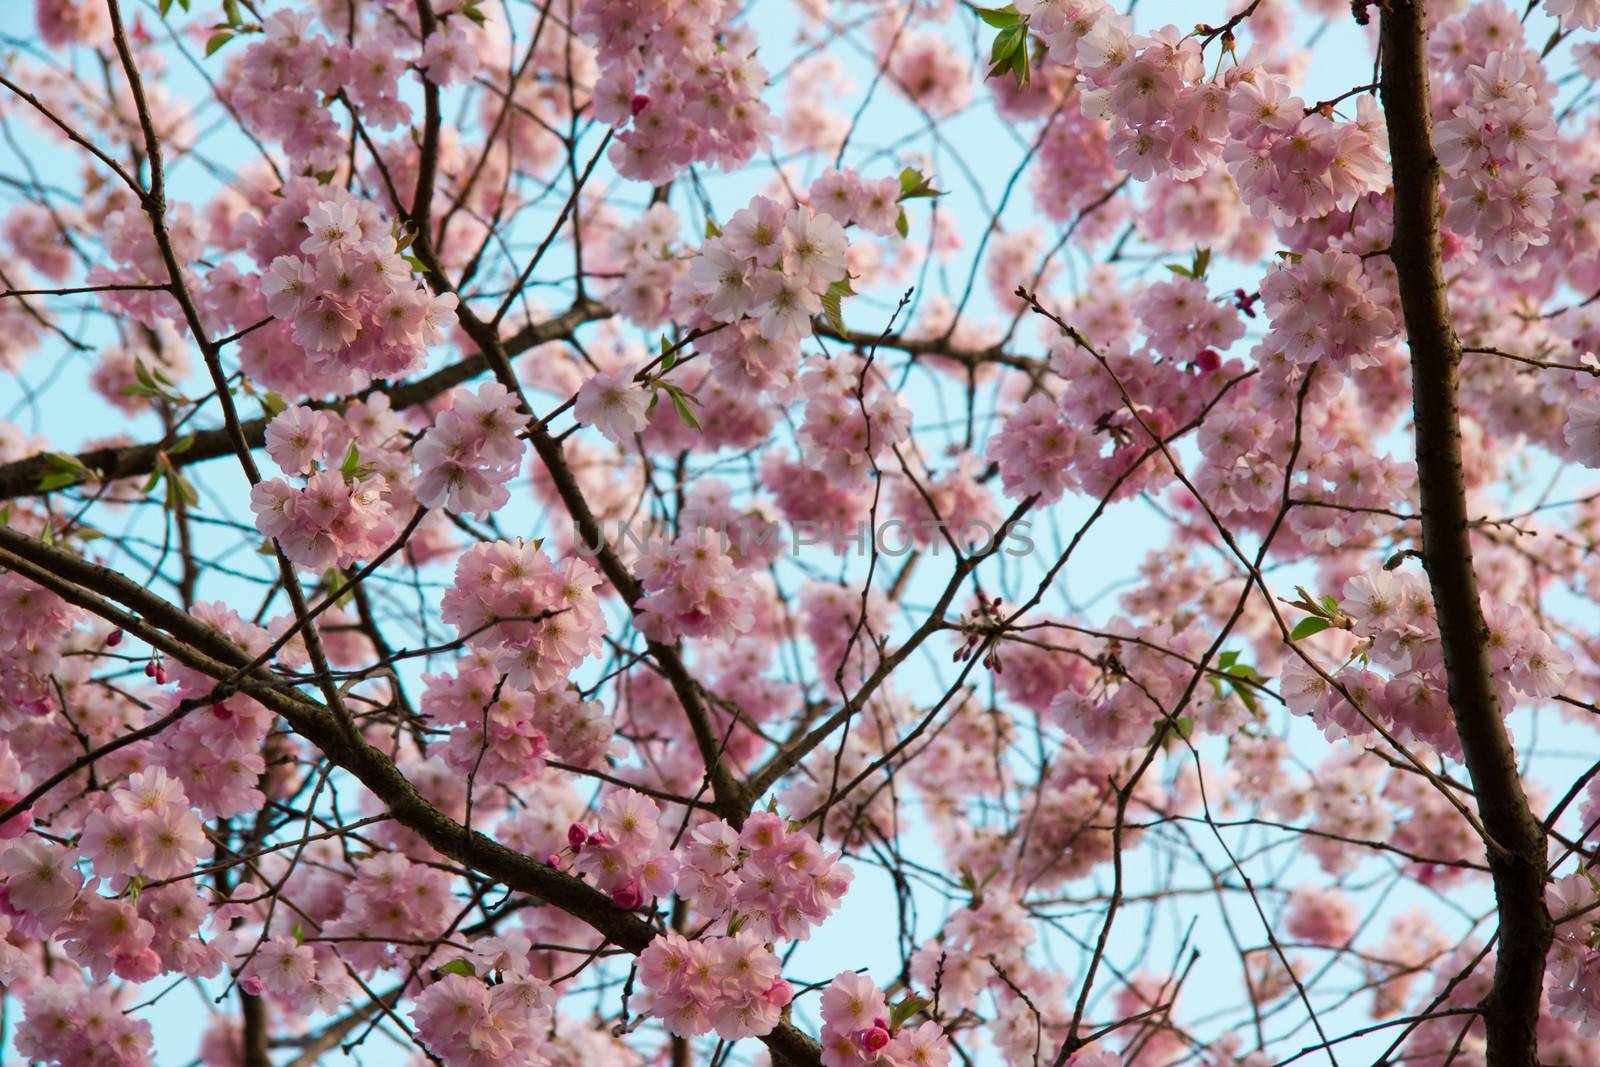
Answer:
[(1391, 615), (627, 856), (769, 878), (499, 1015), (683, 80), (1572, 970), (343, 512), (499, 733), (286, 79), (692, 588), (147, 827), (1324, 306), (350, 295), (613, 403), (465, 460), (1035, 450), (1495, 151), (857, 1031), (64, 1022), (771, 264), (537, 620), (1291, 163), (852, 418), (733, 985), (1181, 320)]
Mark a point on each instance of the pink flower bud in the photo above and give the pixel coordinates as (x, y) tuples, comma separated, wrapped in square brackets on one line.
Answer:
[(874, 1039), (576, 836), (627, 896), (778, 993), (250, 986)]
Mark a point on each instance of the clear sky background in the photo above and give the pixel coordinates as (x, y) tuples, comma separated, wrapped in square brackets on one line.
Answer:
[(49, 398)]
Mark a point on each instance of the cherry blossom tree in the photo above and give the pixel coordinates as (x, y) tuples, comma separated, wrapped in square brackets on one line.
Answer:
[(890, 532)]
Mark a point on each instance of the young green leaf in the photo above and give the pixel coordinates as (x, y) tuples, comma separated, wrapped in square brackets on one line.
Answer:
[(62, 469), (1308, 626), (999, 17), (833, 303), (680, 401), (909, 1005)]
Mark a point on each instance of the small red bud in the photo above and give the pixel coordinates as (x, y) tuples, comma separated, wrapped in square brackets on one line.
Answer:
[(150, 669), (114, 639), (638, 103), (627, 896), (1207, 361), (161, 676)]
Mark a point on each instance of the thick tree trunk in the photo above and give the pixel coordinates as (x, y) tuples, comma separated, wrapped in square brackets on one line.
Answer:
[(1516, 844)]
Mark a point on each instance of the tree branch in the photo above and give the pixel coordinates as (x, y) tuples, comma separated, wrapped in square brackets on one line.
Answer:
[(197, 645), (1513, 838)]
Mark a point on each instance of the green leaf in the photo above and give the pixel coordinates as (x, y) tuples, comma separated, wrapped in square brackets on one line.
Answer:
[(1227, 659), (1202, 260), (472, 12), (902, 225), (163, 7), (62, 469), (1007, 42), (915, 185), (179, 489), (735, 921), (299, 934), (909, 1005), (272, 404), (351, 464), (999, 17), (416, 264), (1308, 626), (461, 967), (230, 10), (680, 401), (337, 585), (216, 41), (182, 445), (833, 301), (712, 229)]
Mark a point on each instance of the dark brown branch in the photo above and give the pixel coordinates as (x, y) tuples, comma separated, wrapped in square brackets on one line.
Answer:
[(164, 626), (1513, 838), (21, 478)]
